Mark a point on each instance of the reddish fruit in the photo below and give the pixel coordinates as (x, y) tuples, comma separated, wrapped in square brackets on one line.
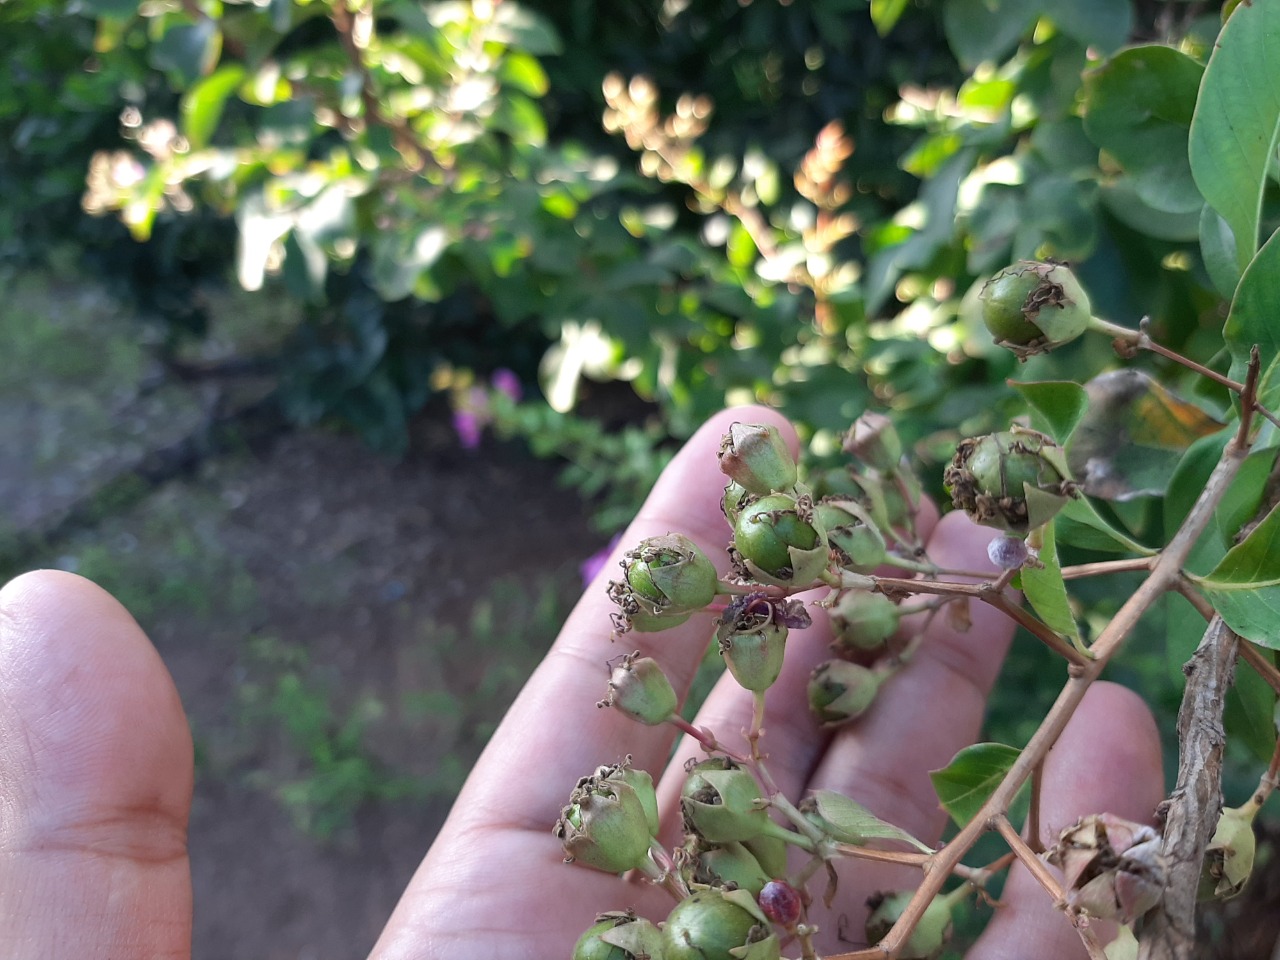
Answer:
[(780, 902)]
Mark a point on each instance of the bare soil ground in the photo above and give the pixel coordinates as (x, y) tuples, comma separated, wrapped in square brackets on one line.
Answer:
[(344, 631)]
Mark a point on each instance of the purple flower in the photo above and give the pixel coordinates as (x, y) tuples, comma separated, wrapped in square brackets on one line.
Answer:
[(471, 410), (504, 381), (592, 566)]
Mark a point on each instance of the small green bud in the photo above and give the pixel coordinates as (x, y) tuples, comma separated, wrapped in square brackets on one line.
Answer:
[(840, 691), (930, 935), (665, 580), (1034, 307), (854, 537), (639, 688), (619, 936), (755, 456), (604, 825), (1228, 860), (873, 440), (862, 622), (752, 637), (718, 925), (1014, 481), (781, 541), (722, 802), (639, 781)]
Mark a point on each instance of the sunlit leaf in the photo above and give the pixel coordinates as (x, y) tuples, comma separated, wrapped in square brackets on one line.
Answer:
[(1132, 436), (885, 13), (1245, 586), (1253, 320), (1138, 107), (203, 104), (1045, 589), (525, 30), (850, 822), (964, 784), (1237, 121)]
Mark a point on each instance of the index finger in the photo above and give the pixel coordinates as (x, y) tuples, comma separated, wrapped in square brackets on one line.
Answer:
[(554, 734)]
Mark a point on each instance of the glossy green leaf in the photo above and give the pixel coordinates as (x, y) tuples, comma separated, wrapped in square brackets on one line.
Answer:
[(188, 50), (973, 774), (1237, 121), (1045, 589), (1245, 586), (885, 14), (1255, 319), (1057, 406), (203, 104), (850, 822), (1138, 108), (1121, 198)]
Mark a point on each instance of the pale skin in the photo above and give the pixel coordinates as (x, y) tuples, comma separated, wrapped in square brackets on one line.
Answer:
[(96, 767)]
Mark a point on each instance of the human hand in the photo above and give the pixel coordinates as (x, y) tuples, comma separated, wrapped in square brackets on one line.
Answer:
[(96, 771)]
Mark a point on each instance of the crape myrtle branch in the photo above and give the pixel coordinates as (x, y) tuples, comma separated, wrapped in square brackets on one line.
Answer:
[(1166, 574)]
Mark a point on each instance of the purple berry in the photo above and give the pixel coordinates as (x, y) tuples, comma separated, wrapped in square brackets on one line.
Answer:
[(1008, 553), (780, 902)]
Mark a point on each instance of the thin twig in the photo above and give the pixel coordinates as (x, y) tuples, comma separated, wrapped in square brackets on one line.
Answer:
[(1127, 565), (1033, 813), (1030, 859)]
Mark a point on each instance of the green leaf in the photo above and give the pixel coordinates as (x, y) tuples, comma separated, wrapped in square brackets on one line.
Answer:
[(525, 30), (1121, 198), (979, 30), (188, 50), (1045, 589), (973, 774), (1102, 24), (203, 104), (1080, 525), (885, 13), (1249, 713), (850, 822), (1218, 251), (1058, 406), (1253, 320), (118, 9), (1237, 121), (1245, 585), (1138, 108)]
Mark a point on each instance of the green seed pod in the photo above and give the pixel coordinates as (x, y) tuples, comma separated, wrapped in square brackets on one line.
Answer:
[(873, 440), (931, 934), (722, 802), (862, 622), (665, 580), (1013, 481), (840, 691), (718, 925), (1228, 860), (729, 864), (1034, 307), (855, 540), (639, 688), (755, 456), (639, 781), (752, 637), (619, 936), (604, 825), (781, 540)]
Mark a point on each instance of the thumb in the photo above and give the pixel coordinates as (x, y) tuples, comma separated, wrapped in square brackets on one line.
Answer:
[(95, 780)]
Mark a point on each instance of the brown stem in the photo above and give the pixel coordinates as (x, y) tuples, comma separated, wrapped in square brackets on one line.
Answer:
[(1266, 668), (1191, 811), (1165, 574), (902, 857), (1127, 565), (987, 593), (1030, 859), (1033, 813)]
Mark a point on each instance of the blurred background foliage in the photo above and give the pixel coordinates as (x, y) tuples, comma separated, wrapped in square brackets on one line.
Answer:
[(709, 201)]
